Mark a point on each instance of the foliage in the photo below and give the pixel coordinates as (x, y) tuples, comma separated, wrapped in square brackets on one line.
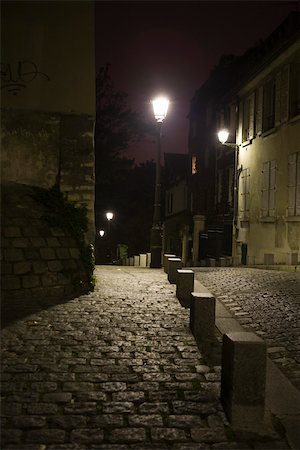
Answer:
[(116, 124), (71, 219), (122, 186)]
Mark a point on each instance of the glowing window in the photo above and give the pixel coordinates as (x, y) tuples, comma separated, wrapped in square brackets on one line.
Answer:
[(194, 165)]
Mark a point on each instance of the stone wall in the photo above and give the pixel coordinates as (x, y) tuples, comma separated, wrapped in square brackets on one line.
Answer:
[(41, 149), (40, 263)]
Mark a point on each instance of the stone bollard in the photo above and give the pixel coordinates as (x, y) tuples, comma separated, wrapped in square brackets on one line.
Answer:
[(202, 316), (174, 264), (243, 379), (185, 286), (222, 262), (143, 260), (136, 260), (165, 260), (148, 259)]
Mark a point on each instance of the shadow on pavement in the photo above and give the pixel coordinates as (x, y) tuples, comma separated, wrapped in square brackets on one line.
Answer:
[(17, 309)]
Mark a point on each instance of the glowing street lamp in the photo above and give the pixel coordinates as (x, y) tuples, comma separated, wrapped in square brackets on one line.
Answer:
[(102, 233), (223, 137), (109, 215), (160, 109)]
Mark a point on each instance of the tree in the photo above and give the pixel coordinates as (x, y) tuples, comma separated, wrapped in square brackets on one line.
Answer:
[(120, 185)]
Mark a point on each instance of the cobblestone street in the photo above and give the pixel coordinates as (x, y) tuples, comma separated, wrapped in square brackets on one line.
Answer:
[(115, 369), (267, 302)]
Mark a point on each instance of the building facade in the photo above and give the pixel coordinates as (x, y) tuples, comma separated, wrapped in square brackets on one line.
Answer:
[(245, 194)]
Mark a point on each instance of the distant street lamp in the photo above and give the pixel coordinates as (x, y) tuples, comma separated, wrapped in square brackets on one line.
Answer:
[(102, 233), (109, 216), (223, 136), (160, 109)]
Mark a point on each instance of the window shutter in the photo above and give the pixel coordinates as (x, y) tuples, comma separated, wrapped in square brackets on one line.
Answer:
[(292, 184), (277, 98), (242, 192), (259, 108), (240, 126), (251, 116), (247, 189), (298, 185), (284, 93), (272, 188), (265, 191)]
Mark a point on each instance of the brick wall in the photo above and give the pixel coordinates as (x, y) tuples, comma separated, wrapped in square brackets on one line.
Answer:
[(39, 262)]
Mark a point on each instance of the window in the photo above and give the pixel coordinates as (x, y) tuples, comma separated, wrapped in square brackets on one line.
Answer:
[(269, 100), (248, 118), (194, 165), (245, 193), (170, 202), (295, 88), (268, 189), (294, 184)]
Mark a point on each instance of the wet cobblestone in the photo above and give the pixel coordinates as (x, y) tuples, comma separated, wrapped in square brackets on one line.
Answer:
[(264, 301), (115, 370)]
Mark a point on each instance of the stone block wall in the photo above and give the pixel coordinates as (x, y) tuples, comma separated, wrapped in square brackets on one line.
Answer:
[(41, 149), (38, 261)]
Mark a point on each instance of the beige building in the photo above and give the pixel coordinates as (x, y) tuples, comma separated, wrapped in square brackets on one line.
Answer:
[(268, 135), (245, 194)]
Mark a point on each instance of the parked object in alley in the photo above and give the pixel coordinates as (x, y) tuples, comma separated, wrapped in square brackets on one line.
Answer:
[(143, 260), (173, 265), (166, 261), (243, 379), (202, 316), (185, 286)]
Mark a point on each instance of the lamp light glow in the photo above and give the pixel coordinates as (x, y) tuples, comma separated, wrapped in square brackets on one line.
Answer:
[(102, 233), (109, 215), (160, 108), (223, 136)]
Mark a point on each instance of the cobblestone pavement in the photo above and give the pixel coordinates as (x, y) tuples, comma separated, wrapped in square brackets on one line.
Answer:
[(115, 369), (266, 301)]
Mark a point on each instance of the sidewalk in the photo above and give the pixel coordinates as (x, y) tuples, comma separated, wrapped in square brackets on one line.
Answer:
[(116, 369)]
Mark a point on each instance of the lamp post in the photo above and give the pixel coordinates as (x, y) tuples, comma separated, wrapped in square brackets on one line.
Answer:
[(160, 109), (223, 136), (102, 233), (109, 217)]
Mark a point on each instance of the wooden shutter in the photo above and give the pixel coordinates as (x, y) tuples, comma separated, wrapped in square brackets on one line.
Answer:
[(265, 189), (292, 184), (298, 185), (242, 193), (259, 110), (272, 188), (284, 93), (251, 116), (277, 98), (240, 126), (247, 189)]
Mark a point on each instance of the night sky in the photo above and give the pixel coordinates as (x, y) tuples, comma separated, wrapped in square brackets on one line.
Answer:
[(170, 47)]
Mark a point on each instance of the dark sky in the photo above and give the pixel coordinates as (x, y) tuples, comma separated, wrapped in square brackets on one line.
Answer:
[(170, 47)]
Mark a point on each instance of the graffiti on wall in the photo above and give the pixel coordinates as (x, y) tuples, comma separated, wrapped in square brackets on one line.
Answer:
[(16, 77)]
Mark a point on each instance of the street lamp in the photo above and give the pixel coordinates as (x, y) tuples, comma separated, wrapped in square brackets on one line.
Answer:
[(160, 109), (223, 136), (102, 233), (109, 216)]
